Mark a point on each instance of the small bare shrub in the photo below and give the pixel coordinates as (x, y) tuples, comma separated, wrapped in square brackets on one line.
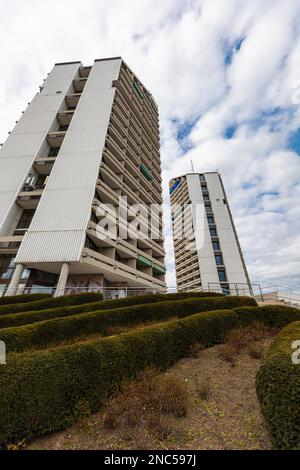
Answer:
[(228, 353), (202, 388), (237, 339), (259, 331), (146, 400), (255, 350)]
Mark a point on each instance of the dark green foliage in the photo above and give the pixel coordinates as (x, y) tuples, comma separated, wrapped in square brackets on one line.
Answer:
[(278, 390), (22, 299), (51, 302), (49, 332), (41, 391), (271, 315), (43, 312), (25, 318)]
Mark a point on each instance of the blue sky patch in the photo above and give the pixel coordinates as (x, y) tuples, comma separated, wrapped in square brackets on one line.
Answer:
[(231, 51), (294, 141), (230, 131), (183, 131), (274, 118), (271, 193)]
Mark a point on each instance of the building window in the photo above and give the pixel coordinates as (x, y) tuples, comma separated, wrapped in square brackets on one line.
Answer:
[(202, 177), (219, 260), (216, 245), (53, 152), (25, 219), (222, 275), (8, 268), (2, 289), (213, 231), (41, 182), (26, 273), (210, 219), (226, 289)]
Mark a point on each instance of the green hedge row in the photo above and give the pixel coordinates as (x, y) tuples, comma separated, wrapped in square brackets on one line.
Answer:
[(22, 298), (51, 302), (50, 332), (42, 391), (278, 390), (270, 315), (24, 318)]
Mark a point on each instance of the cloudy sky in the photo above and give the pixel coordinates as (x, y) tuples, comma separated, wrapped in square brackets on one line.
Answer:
[(226, 76)]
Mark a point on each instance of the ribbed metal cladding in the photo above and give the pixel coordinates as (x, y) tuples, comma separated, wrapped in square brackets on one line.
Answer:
[(8, 216), (57, 232), (23, 144), (63, 209), (55, 246)]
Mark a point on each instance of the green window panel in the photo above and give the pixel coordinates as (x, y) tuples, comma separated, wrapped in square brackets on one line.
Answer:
[(159, 269), (143, 262), (146, 172), (137, 90)]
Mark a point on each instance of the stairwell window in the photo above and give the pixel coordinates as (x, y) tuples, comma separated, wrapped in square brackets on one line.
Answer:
[(222, 275), (216, 245), (219, 260)]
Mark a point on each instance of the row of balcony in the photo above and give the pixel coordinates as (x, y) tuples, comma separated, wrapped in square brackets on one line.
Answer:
[(129, 247), (132, 89), (111, 267)]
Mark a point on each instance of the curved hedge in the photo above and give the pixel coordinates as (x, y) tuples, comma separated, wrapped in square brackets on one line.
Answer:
[(22, 298), (270, 315), (51, 302), (41, 391), (49, 332), (278, 390), (24, 318)]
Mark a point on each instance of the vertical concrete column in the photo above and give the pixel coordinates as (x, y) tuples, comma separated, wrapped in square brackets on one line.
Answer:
[(15, 280), (63, 277)]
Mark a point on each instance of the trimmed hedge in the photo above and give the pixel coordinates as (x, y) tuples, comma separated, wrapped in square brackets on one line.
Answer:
[(42, 391), (270, 315), (49, 332), (24, 318), (22, 298), (52, 302), (278, 390)]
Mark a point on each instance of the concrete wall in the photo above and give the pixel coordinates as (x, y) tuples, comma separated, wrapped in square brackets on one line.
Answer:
[(208, 268), (229, 245)]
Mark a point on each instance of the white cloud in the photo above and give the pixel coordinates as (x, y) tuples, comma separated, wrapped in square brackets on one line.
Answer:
[(178, 49)]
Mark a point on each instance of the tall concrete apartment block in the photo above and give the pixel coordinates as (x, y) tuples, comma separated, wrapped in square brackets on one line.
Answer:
[(207, 251), (90, 135)]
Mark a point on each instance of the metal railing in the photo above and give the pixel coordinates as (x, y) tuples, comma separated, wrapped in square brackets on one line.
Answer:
[(261, 293)]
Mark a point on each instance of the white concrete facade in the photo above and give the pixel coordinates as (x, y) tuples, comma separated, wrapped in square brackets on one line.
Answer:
[(84, 140), (216, 262)]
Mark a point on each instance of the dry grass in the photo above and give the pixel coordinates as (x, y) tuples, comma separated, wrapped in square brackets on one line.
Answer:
[(201, 403), (245, 338), (202, 388), (255, 350), (147, 402)]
